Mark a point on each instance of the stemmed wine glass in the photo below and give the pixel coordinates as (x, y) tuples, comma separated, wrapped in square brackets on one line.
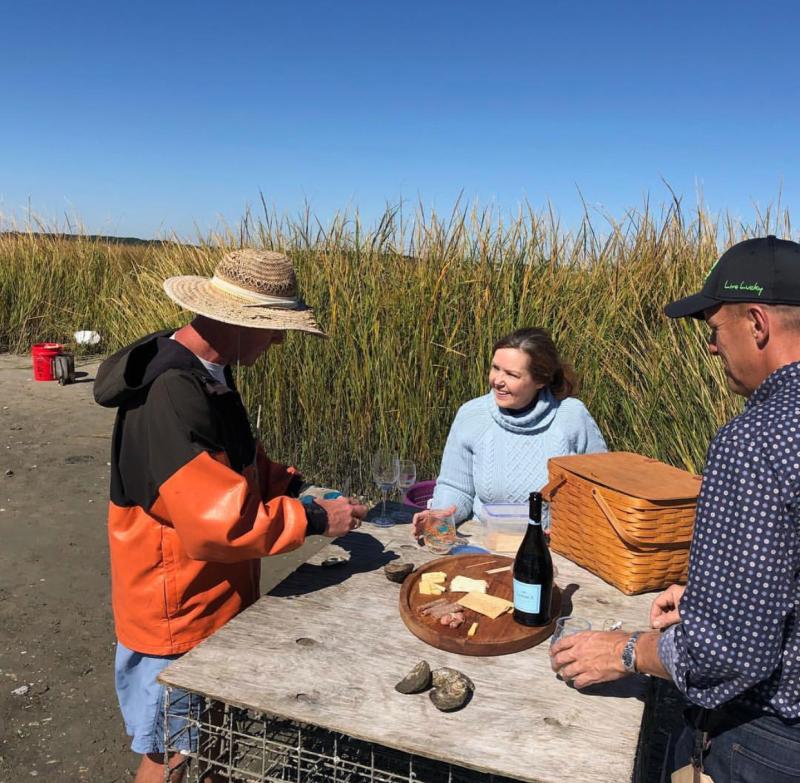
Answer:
[(405, 479), (385, 471)]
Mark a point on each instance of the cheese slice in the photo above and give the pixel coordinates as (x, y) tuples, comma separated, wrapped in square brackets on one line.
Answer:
[(430, 588), (463, 584), (433, 576), (489, 605), (473, 629)]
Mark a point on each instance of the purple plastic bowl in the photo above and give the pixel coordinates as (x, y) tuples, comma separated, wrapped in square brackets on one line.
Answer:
[(417, 495)]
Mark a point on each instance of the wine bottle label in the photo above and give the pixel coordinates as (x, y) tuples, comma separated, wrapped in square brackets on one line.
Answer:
[(527, 597)]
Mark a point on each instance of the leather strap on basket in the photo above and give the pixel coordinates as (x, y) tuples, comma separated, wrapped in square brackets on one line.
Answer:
[(624, 535), (549, 489)]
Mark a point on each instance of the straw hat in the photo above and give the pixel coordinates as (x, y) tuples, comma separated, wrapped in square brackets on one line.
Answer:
[(255, 288)]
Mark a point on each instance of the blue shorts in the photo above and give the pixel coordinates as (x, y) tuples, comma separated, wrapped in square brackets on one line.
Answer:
[(141, 700)]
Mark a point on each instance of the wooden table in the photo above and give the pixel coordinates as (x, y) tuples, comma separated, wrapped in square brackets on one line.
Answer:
[(522, 723)]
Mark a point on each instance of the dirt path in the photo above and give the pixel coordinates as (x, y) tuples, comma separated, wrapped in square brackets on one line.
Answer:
[(59, 719)]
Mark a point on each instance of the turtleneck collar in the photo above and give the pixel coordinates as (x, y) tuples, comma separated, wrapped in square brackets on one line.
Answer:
[(516, 413), (537, 418)]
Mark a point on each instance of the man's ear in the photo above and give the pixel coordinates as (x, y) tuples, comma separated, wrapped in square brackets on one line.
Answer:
[(758, 320)]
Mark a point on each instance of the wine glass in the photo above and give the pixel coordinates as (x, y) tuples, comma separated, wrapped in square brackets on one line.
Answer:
[(405, 479), (385, 471)]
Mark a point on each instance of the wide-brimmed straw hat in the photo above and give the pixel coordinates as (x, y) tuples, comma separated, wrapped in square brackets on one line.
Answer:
[(255, 288)]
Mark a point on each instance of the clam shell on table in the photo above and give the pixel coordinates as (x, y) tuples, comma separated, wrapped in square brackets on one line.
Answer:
[(452, 689), (418, 679), (397, 572)]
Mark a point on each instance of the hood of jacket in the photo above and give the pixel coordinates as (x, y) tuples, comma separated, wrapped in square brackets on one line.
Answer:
[(132, 369)]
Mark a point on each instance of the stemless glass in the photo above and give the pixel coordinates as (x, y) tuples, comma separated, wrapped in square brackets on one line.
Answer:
[(566, 626), (385, 472), (438, 531)]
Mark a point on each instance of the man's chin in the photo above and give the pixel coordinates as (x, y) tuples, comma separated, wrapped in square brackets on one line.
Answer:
[(736, 387)]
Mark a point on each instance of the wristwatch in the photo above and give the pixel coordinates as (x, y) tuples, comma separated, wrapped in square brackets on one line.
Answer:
[(629, 653)]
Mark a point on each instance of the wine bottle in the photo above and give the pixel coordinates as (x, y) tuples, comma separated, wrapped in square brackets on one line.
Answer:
[(533, 571)]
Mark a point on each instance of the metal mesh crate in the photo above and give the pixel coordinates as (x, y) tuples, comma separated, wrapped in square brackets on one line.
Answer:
[(243, 746)]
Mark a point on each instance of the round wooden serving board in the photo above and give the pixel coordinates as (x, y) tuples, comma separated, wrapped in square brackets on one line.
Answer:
[(493, 637)]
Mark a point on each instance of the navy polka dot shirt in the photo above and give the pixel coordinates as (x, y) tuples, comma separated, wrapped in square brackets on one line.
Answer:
[(738, 637)]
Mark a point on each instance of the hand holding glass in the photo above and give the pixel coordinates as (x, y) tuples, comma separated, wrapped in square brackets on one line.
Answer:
[(438, 531), (566, 626)]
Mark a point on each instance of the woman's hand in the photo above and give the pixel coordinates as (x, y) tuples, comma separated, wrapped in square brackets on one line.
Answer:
[(665, 611), (418, 521)]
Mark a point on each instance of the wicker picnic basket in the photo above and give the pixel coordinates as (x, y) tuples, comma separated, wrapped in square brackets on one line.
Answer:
[(622, 516)]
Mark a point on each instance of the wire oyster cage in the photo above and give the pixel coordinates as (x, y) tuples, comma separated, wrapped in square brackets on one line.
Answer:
[(246, 746)]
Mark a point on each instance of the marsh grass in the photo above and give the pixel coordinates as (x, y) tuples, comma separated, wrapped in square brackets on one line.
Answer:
[(412, 309)]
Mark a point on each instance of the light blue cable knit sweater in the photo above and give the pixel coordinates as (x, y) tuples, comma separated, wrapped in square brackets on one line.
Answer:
[(493, 457)]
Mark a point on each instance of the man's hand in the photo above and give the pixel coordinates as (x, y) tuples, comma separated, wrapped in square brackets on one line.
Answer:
[(343, 516), (418, 522), (590, 657), (664, 610)]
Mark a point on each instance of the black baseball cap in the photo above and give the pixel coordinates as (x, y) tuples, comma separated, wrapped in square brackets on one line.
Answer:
[(765, 270)]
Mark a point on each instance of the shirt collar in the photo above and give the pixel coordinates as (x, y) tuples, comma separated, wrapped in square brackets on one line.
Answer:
[(789, 373)]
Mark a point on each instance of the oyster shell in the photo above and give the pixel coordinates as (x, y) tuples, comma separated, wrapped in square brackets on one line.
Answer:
[(452, 689), (442, 676), (397, 572), (418, 679)]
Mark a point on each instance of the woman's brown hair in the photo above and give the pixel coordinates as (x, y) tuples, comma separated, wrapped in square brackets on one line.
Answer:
[(544, 363)]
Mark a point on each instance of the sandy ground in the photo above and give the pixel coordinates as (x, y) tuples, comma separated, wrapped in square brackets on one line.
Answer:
[(59, 720)]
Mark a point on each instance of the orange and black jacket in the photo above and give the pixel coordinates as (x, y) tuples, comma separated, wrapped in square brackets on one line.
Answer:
[(194, 500)]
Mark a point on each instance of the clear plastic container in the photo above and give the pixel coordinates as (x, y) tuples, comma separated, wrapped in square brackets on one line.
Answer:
[(503, 526)]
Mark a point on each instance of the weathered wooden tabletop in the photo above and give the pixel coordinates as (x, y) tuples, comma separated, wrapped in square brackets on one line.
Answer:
[(521, 723)]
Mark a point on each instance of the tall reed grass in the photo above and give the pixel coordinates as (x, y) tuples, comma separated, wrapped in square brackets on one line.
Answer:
[(412, 310)]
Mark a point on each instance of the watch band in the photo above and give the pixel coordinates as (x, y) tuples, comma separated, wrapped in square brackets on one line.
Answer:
[(629, 653)]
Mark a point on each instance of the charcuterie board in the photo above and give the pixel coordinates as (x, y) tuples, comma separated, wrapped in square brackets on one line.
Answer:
[(492, 637)]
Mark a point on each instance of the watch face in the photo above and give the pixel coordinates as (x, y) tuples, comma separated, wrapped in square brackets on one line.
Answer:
[(626, 658), (628, 652)]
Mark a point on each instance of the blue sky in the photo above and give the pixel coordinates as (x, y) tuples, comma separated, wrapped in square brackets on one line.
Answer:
[(147, 118)]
